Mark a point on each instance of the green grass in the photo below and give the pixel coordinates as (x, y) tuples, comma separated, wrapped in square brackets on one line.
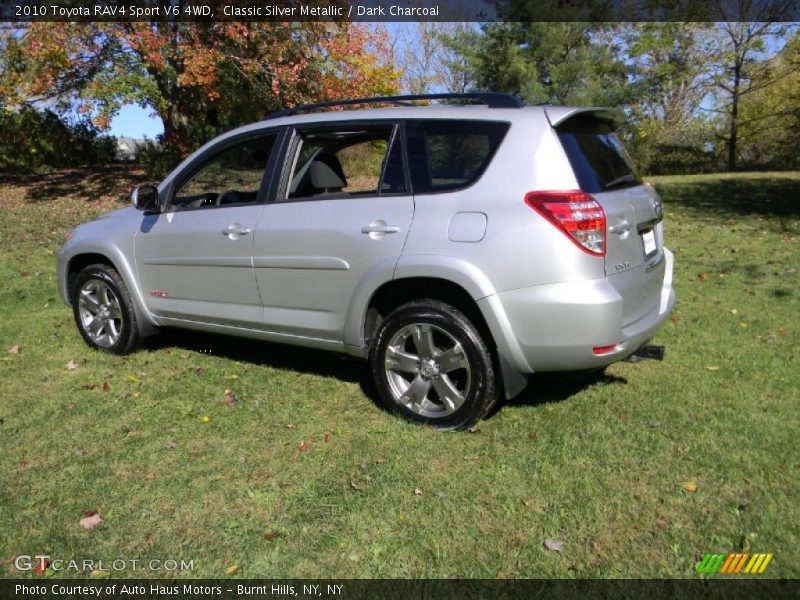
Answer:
[(600, 465)]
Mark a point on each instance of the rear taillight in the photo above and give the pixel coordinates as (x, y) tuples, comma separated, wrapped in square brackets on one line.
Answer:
[(577, 214)]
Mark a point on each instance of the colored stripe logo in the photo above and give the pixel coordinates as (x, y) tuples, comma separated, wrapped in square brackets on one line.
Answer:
[(734, 563)]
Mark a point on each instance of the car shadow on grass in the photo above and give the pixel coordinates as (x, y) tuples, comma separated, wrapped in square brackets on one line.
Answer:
[(262, 353), (543, 388), (550, 388)]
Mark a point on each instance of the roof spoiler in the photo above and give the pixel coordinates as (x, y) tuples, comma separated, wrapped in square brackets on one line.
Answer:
[(558, 115)]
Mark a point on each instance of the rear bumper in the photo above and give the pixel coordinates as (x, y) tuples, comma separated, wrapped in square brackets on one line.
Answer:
[(554, 327)]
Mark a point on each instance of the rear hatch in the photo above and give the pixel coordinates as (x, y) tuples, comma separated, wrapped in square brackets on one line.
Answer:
[(634, 246)]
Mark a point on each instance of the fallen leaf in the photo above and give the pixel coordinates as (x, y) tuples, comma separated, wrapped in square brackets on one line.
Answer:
[(90, 522), (71, 366), (24, 463), (106, 387), (303, 446), (417, 492), (690, 486), (230, 398), (205, 419), (701, 277), (473, 430), (133, 379), (675, 318), (70, 406), (232, 569), (380, 460), (271, 535), (532, 436), (290, 426), (712, 368), (554, 545), (166, 351), (662, 523), (354, 486), (80, 453), (327, 437), (171, 445), (150, 476), (14, 349), (734, 311)]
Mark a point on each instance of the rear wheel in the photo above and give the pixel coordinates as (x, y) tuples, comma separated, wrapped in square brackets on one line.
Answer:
[(103, 310), (431, 366)]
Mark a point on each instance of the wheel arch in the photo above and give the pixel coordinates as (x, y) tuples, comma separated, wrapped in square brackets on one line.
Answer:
[(101, 255)]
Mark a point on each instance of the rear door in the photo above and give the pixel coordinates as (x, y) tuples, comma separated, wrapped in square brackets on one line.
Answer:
[(343, 209), (634, 246)]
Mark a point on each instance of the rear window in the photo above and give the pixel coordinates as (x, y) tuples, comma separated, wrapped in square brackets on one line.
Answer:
[(447, 155), (598, 158)]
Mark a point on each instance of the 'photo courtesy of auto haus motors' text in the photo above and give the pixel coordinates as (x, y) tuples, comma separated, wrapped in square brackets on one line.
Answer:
[(364, 299)]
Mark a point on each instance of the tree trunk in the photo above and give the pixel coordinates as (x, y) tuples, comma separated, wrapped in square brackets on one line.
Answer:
[(734, 131)]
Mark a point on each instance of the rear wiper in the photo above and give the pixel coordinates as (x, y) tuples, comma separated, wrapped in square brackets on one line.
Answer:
[(627, 178)]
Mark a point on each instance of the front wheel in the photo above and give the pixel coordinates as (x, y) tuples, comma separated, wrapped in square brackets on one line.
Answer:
[(103, 310), (431, 366)]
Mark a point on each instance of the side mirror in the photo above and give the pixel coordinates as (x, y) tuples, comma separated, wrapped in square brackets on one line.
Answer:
[(145, 197)]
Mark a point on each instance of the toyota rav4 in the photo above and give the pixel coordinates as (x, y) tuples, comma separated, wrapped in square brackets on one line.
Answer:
[(458, 248)]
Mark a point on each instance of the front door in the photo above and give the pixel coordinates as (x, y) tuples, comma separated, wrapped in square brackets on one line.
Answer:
[(195, 257), (344, 209)]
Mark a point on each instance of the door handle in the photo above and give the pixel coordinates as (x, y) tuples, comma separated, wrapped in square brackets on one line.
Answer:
[(234, 230), (380, 229)]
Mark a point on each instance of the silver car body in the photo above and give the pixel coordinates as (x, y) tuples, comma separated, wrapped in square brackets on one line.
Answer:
[(304, 273)]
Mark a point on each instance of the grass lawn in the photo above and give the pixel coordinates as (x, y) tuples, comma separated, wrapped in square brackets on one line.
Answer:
[(305, 477)]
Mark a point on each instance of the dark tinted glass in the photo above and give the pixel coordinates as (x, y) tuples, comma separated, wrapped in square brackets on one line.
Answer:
[(597, 156), (447, 154), (233, 176)]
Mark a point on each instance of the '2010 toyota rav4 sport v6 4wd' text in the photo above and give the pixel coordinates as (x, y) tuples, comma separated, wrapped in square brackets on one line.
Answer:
[(458, 248)]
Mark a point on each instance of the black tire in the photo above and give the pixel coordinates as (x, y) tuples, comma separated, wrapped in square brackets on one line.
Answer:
[(125, 328), (453, 335)]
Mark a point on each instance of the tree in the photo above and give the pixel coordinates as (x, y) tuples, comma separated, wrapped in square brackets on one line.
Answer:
[(668, 87), (559, 63), (194, 76), (769, 124), (739, 56)]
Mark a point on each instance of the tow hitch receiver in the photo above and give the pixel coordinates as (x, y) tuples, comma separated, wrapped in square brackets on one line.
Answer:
[(647, 351)]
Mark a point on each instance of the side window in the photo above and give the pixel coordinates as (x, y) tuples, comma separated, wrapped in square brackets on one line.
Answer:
[(348, 162), (446, 155), (231, 177)]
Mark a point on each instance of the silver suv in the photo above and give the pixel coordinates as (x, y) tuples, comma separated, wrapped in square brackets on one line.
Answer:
[(458, 248)]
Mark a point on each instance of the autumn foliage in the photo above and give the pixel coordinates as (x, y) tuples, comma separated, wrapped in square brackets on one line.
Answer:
[(197, 77)]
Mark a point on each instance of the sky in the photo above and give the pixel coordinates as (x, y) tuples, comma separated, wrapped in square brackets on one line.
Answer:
[(136, 122)]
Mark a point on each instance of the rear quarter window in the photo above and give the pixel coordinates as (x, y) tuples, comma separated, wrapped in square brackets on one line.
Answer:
[(597, 156), (446, 155)]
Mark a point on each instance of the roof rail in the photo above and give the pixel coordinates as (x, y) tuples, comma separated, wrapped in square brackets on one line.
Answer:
[(491, 99)]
